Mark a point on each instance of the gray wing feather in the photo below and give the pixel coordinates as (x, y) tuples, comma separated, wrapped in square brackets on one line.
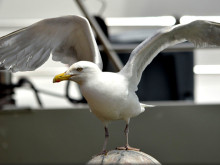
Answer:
[(69, 39), (200, 33)]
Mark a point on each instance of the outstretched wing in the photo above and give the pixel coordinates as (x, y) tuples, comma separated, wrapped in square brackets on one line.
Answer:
[(200, 33), (68, 38)]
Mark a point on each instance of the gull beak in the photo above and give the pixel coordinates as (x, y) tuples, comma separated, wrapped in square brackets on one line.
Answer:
[(61, 77)]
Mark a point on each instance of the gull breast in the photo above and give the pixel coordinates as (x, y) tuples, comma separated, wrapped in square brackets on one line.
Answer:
[(109, 97)]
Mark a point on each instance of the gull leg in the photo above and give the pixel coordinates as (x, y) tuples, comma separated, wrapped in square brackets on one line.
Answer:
[(105, 142), (127, 146), (126, 131)]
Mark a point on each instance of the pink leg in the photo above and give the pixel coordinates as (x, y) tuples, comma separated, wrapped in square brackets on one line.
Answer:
[(127, 147), (105, 142)]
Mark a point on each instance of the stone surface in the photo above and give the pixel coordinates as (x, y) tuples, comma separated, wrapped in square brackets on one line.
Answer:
[(124, 157)]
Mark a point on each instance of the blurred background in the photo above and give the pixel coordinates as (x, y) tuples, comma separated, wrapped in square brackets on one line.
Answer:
[(198, 71), (181, 80)]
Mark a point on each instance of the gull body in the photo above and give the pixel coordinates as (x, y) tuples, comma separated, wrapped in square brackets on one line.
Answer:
[(70, 40), (107, 93)]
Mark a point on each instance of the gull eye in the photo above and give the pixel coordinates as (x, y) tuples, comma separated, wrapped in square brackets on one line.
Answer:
[(79, 69)]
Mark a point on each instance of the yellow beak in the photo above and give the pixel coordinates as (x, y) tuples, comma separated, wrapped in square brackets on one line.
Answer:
[(61, 77)]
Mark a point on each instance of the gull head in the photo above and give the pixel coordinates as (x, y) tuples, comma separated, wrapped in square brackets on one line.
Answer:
[(78, 72)]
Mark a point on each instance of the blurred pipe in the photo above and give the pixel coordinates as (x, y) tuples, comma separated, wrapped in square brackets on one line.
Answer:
[(187, 18), (6, 93), (101, 36)]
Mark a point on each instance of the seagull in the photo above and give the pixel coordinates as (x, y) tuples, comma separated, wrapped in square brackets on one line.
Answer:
[(70, 40)]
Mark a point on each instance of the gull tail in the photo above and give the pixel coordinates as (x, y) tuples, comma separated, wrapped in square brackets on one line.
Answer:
[(144, 106)]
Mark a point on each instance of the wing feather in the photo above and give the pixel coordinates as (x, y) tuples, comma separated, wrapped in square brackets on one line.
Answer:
[(69, 39), (200, 33)]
